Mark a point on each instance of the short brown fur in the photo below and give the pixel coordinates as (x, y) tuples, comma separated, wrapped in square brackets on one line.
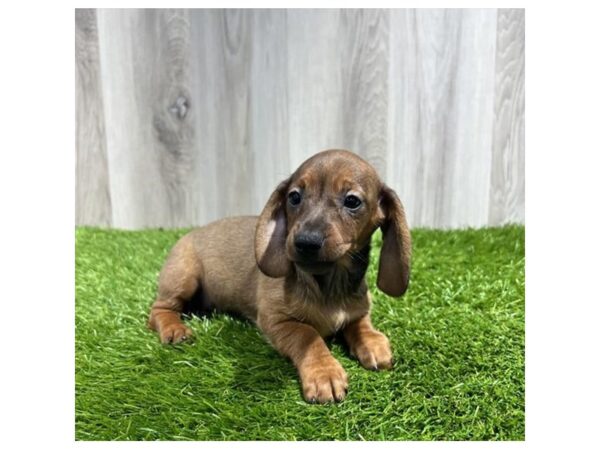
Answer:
[(255, 266)]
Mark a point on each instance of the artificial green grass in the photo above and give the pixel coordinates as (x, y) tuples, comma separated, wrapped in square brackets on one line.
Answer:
[(457, 338)]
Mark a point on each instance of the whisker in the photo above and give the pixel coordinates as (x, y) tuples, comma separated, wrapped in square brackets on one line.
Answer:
[(357, 256)]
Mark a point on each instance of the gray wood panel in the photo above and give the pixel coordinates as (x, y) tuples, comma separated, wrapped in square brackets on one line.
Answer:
[(92, 199), (507, 190), (221, 75), (314, 83), (442, 114), (269, 136), (198, 114), (364, 62), (146, 87)]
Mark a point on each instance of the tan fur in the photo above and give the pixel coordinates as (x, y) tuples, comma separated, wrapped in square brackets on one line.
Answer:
[(251, 266)]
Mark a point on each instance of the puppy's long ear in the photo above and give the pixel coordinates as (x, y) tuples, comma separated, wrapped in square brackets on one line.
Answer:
[(271, 232), (394, 261)]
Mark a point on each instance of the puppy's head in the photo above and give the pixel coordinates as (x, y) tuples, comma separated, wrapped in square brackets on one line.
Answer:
[(325, 212)]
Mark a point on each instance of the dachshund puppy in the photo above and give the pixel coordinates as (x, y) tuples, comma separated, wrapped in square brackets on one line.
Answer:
[(298, 270)]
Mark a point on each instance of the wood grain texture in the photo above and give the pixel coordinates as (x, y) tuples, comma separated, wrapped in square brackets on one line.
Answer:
[(337, 88), (442, 76), (222, 73), (268, 107), (364, 62), (92, 199), (146, 74), (207, 110), (314, 83), (507, 190)]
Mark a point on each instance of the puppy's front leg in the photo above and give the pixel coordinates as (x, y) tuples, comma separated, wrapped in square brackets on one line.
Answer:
[(323, 378), (371, 347)]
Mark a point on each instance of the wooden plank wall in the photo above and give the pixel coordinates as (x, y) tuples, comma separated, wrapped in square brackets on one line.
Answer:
[(186, 116)]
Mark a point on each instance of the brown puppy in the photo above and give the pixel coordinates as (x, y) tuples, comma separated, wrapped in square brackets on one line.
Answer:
[(298, 270)]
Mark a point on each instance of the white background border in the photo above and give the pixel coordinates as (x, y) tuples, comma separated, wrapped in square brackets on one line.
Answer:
[(37, 185)]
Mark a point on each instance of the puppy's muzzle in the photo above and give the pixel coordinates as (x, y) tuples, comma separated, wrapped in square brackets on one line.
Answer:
[(308, 244), (308, 252)]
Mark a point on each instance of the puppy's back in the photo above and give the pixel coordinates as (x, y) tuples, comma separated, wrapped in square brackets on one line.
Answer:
[(228, 270)]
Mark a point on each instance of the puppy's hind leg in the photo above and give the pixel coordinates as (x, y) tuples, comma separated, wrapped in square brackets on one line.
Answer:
[(179, 280)]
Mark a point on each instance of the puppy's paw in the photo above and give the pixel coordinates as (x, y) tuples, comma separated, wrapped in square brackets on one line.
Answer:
[(373, 351), (174, 333), (324, 381)]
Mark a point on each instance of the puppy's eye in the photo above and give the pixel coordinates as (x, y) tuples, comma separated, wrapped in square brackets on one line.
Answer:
[(294, 198), (352, 202)]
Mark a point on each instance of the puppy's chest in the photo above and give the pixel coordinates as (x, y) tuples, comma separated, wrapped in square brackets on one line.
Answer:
[(328, 319)]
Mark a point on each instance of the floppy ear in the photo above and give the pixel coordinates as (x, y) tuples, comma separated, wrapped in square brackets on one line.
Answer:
[(394, 260), (271, 232)]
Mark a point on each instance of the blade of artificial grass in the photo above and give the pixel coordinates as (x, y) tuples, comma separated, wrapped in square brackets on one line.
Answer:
[(457, 337)]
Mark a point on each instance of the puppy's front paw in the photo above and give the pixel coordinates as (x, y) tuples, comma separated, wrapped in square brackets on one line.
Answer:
[(324, 381), (174, 333), (373, 351)]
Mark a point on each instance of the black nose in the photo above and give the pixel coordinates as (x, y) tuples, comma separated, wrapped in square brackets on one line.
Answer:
[(309, 242)]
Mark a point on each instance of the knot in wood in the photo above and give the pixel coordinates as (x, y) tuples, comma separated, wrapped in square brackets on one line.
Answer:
[(180, 107)]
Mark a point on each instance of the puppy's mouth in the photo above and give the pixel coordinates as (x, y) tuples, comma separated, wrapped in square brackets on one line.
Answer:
[(315, 267), (321, 262)]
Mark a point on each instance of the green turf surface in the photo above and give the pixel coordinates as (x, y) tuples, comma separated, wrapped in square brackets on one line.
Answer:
[(457, 338)]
